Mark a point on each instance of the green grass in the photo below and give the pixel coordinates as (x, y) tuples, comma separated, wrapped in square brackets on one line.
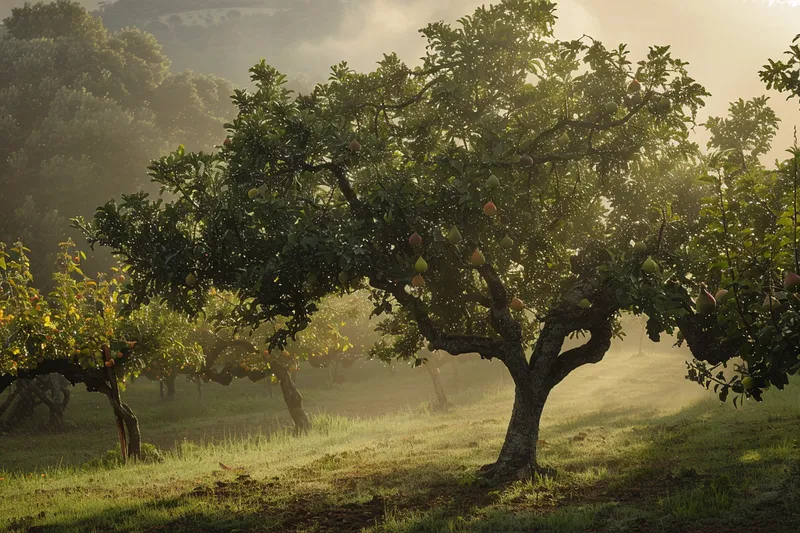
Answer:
[(635, 448)]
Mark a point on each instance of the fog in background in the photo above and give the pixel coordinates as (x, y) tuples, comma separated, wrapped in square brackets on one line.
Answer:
[(725, 41)]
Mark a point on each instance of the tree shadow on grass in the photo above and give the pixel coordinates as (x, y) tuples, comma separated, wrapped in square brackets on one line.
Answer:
[(693, 471)]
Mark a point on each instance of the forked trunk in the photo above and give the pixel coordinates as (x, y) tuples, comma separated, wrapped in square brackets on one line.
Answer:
[(293, 399), (127, 428)]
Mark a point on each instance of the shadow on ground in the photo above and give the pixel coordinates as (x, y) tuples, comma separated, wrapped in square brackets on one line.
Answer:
[(702, 470)]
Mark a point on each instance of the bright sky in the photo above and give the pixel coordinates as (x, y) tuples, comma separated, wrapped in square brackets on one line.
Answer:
[(725, 41)]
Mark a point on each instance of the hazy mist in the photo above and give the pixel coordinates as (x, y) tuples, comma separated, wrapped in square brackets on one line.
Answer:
[(725, 41)]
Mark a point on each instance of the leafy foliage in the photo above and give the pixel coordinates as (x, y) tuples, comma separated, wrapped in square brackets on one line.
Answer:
[(81, 112)]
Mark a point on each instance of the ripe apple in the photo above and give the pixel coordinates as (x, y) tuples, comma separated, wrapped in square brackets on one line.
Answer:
[(490, 209), (517, 304)]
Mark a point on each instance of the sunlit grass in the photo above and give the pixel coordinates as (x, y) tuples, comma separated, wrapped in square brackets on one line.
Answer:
[(660, 456)]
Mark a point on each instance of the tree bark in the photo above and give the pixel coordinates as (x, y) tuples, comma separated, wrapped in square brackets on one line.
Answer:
[(169, 381), (435, 374), (517, 458), (293, 398), (128, 427)]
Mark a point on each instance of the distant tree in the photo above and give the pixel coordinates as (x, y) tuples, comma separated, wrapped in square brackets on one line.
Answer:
[(81, 110)]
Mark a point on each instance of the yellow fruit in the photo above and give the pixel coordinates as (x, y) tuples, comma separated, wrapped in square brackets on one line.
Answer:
[(454, 236), (252, 193), (584, 304), (517, 304), (421, 265)]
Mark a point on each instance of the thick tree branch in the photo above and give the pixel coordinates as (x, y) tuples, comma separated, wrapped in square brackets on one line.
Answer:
[(706, 340), (591, 352), (73, 373), (500, 316), (438, 340)]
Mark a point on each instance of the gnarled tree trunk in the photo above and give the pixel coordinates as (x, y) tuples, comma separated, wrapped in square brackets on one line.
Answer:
[(292, 397)]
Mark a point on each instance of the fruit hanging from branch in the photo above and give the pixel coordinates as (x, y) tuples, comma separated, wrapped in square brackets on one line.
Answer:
[(584, 304), (664, 104), (563, 140), (354, 146), (791, 282), (506, 242), (421, 265), (190, 279), (227, 142), (454, 236), (705, 304), (640, 248), (721, 295), (252, 193), (418, 281), (634, 86), (415, 240), (525, 160), (611, 108), (649, 266), (490, 209), (477, 258), (517, 304)]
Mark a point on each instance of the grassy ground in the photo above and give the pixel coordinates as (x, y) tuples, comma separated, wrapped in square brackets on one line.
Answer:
[(636, 448)]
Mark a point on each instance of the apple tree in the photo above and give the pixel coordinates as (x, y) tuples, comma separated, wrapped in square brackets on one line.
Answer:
[(480, 195), (79, 331)]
